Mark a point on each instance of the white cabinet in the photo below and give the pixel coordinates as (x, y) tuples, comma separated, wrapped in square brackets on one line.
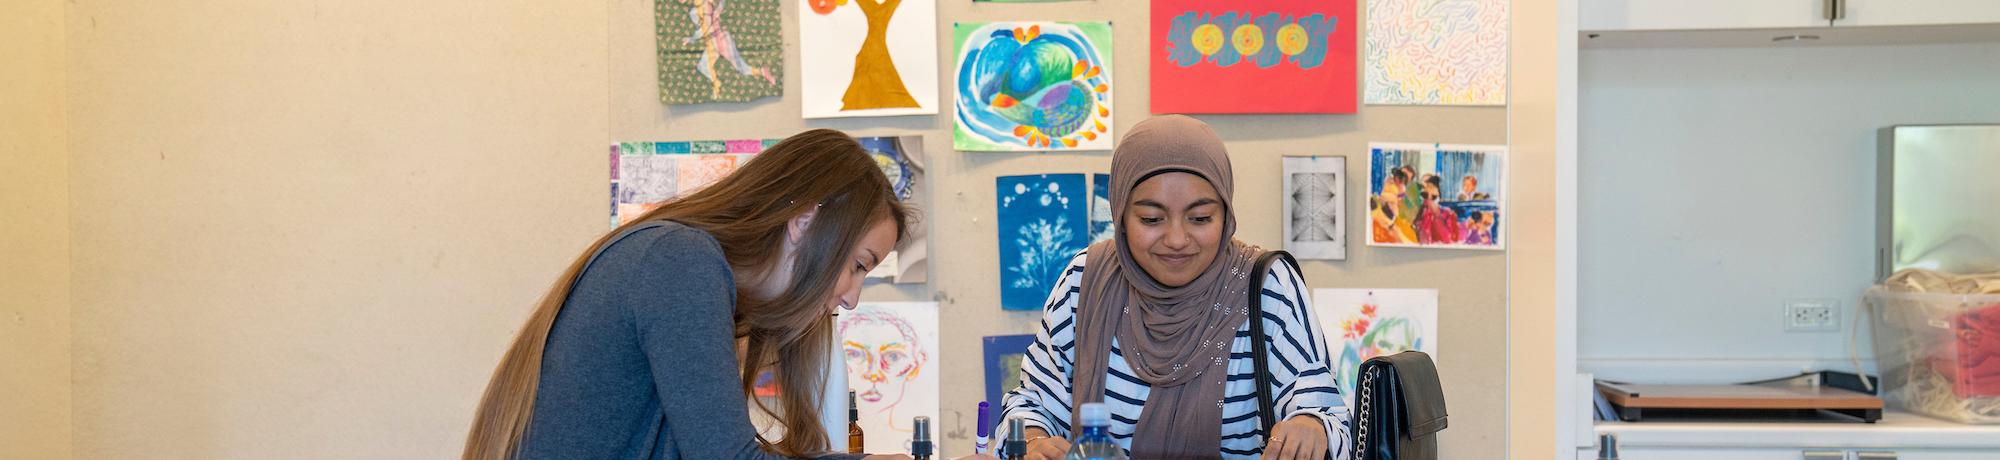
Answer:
[(1637, 15), (1698, 14), (1919, 12), (1936, 454), (1664, 453), (1899, 434)]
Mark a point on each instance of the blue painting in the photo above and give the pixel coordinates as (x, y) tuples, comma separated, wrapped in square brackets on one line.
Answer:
[(1044, 222), (1033, 86), (1100, 207), (901, 169), (902, 161), (1003, 364)]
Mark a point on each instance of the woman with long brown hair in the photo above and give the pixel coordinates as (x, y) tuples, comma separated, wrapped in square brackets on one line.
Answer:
[(650, 342)]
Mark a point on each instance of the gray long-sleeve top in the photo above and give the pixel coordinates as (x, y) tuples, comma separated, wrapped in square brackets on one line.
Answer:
[(641, 362)]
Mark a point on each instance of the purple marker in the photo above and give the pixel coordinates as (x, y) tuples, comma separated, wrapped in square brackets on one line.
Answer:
[(985, 430)]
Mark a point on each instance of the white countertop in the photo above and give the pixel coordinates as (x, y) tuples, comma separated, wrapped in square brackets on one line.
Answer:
[(1895, 430)]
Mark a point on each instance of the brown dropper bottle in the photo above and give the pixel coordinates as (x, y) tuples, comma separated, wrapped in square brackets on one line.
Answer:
[(853, 425)]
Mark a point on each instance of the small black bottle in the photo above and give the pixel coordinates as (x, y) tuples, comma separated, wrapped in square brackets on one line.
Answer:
[(1016, 447), (920, 438)]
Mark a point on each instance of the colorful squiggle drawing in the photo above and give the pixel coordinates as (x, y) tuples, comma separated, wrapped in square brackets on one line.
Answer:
[(1437, 52), (1265, 41), (1026, 86)]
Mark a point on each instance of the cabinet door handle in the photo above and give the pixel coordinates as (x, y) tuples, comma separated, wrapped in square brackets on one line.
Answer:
[(1875, 455), (1824, 455)]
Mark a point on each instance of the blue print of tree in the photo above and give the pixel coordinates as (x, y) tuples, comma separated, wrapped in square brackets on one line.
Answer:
[(1045, 251)]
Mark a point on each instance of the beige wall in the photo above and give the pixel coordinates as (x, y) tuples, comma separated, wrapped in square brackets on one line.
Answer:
[(1472, 284), (1531, 262), (308, 229), (35, 235)]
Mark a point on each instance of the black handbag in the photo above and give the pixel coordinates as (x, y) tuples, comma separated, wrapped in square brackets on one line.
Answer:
[(1399, 408)]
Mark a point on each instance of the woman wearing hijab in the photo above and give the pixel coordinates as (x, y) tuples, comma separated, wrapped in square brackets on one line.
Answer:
[(1155, 321)]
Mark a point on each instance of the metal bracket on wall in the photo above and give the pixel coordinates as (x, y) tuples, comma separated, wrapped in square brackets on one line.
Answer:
[(1834, 10)]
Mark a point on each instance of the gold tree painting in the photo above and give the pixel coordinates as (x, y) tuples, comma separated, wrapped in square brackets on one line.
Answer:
[(862, 58)]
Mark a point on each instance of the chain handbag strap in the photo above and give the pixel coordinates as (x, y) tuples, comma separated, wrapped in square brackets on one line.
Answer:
[(1365, 407)]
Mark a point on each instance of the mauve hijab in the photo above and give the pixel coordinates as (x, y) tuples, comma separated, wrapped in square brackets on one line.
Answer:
[(1176, 338)]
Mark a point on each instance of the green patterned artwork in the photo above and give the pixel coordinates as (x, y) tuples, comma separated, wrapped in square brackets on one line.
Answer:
[(718, 50)]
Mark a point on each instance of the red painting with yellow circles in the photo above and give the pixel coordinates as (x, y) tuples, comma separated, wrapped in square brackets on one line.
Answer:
[(1254, 56)]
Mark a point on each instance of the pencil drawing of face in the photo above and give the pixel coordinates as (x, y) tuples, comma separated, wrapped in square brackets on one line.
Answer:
[(884, 351)]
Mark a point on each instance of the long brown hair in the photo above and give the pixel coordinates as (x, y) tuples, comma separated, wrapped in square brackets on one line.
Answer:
[(747, 213)]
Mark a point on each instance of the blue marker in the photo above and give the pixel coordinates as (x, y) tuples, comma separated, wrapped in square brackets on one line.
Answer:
[(985, 430)]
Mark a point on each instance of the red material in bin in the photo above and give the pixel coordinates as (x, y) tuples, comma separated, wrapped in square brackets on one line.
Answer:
[(1977, 372)]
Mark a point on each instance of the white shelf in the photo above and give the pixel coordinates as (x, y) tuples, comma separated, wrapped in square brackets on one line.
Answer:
[(1602, 15), (1896, 430), (1827, 36)]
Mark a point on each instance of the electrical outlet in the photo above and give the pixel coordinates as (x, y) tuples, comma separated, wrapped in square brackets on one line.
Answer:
[(1812, 315)]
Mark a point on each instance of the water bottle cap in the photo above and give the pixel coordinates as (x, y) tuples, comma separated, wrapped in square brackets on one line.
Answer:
[(1095, 414)]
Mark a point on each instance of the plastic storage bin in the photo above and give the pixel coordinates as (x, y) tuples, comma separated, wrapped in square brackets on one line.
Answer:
[(1939, 354)]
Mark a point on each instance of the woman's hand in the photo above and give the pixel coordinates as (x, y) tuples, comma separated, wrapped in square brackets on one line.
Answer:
[(1041, 446), (887, 457), (1301, 437)]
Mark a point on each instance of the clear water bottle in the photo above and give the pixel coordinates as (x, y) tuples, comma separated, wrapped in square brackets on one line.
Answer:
[(1094, 441)]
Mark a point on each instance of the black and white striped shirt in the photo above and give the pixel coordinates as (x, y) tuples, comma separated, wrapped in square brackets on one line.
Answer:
[(1300, 380)]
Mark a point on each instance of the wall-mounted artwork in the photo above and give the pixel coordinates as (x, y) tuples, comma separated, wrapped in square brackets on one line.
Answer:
[(1436, 195), (644, 174), (1043, 223), (1366, 323), (614, 185), (1255, 56), (902, 160), (1315, 207), (1436, 52), (891, 351), (718, 50), (1100, 207), (868, 57), (1003, 364), (648, 173), (1032, 86)]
